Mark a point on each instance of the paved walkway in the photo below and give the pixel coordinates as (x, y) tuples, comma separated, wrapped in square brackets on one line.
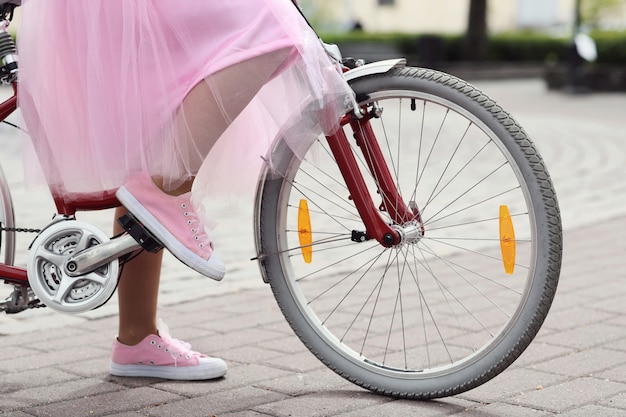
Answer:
[(55, 365)]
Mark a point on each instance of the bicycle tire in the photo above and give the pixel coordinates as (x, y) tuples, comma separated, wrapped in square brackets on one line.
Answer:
[(7, 221), (442, 315)]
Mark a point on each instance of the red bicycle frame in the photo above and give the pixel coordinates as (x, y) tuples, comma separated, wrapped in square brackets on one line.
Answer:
[(101, 201), (376, 227), (12, 274)]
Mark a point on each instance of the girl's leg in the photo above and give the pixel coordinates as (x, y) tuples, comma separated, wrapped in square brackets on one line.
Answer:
[(137, 293), (204, 115), (141, 349), (208, 110)]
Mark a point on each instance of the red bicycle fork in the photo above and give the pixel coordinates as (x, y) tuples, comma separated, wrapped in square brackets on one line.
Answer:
[(376, 226)]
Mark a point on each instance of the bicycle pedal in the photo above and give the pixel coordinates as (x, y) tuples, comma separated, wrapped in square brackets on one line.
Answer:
[(134, 228)]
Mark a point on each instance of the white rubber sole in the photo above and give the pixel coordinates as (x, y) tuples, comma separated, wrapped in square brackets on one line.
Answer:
[(213, 267), (209, 368)]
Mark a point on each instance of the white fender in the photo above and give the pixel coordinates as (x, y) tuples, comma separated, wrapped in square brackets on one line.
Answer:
[(378, 67)]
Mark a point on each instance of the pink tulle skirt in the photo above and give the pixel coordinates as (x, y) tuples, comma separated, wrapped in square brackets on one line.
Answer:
[(102, 83)]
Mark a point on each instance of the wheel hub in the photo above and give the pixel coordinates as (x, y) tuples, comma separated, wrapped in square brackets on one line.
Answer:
[(410, 233)]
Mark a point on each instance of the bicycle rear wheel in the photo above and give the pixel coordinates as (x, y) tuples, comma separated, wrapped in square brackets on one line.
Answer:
[(7, 220), (442, 312)]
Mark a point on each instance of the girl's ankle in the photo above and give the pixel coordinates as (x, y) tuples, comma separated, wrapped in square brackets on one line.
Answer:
[(184, 188), (135, 337)]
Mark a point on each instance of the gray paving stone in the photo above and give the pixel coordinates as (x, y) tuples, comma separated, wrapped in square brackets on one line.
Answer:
[(504, 410), (610, 289), (248, 354), (289, 344), (217, 403), (404, 408), (9, 365), (584, 363), (91, 368), (106, 404), (595, 410), (280, 326), (566, 297), (63, 344), (28, 336), (540, 351), (585, 337), (619, 344), (244, 414), (613, 305), (512, 383), (296, 384), (617, 373), (616, 401), (238, 376), (22, 380), (298, 362), (43, 359), (57, 393), (322, 404), (56, 364), (568, 318), (248, 320), (129, 382), (16, 414), (238, 337), (568, 395)]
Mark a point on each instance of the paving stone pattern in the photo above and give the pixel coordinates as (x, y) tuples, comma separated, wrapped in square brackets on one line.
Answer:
[(56, 365)]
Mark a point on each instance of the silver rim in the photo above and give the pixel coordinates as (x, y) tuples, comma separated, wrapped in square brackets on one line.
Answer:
[(436, 303)]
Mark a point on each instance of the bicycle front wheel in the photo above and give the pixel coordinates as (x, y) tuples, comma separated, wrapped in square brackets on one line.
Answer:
[(456, 303)]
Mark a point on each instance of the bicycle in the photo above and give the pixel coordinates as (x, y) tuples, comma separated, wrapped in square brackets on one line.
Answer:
[(417, 260)]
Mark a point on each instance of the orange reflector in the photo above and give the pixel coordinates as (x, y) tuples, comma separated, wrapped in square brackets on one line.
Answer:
[(304, 231), (507, 240)]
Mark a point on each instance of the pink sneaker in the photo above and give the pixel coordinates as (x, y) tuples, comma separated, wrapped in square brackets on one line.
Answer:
[(174, 222), (164, 357)]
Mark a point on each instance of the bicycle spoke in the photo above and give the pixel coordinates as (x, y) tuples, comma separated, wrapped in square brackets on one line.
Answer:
[(445, 169), (474, 252), (433, 220), (473, 222), (464, 264), (448, 262), (367, 265), (444, 291), (465, 192)]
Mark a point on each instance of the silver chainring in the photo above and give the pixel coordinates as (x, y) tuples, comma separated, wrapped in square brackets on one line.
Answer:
[(46, 268)]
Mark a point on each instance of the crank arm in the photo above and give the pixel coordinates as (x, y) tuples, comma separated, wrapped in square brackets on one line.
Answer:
[(94, 257)]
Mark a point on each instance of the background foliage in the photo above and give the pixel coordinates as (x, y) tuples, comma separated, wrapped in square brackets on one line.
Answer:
[(506, 47)]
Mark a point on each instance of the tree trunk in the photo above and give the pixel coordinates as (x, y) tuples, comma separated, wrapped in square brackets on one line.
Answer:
[(476, 36)]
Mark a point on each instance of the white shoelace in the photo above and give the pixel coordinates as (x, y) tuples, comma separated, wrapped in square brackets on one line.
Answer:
[(176, 348), (195, 225)]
